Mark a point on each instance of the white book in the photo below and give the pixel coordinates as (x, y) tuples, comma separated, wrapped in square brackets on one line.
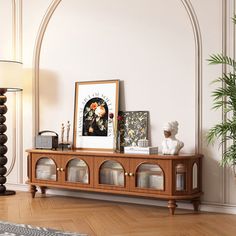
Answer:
[(141, 150)]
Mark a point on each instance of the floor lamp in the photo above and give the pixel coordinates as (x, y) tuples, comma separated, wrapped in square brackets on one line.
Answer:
[(10, 80)]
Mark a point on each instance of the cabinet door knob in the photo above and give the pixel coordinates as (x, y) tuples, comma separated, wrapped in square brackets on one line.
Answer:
[(58, 169), (131, 174), (61, 169), (126, 174)]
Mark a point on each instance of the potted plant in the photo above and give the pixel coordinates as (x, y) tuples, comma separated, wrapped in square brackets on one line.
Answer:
[(224, 97)]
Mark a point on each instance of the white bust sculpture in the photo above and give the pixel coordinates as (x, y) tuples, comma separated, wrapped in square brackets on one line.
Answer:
[(171, 145)]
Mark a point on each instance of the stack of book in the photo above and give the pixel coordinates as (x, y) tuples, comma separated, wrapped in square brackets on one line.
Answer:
[(141, 150)]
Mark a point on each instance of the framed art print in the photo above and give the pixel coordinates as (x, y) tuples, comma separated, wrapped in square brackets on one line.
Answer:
[(94, 102), (133, 127)]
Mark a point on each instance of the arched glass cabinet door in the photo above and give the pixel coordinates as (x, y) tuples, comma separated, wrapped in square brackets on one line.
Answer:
[(150, 176), (77, 171), (180, 177), (46, 169), (111, 173)]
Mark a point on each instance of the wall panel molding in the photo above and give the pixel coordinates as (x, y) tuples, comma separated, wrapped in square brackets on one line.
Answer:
[(17, 30), (198, 68), (36, 59), (14, 17), (224, 70), (198, 73), (227, 7), (228, 48)]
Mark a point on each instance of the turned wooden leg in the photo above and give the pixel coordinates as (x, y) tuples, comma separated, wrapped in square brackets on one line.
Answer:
[(43, 189), (172, 205), (33, 190), (196, 203)]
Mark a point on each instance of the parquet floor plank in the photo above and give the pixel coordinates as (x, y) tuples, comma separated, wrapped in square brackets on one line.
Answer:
[(79, 225), (103, 218)]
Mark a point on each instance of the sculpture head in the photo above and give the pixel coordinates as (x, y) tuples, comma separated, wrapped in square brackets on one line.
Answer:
[(171, 129)]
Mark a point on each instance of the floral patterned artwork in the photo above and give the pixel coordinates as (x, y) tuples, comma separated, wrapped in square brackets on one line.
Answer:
[(95, 117), (133, 127)]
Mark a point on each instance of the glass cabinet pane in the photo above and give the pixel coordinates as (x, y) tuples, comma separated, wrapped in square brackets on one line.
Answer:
[(77, 171), (150, 176), (180, 173), (46, 169), (111, 173), (195, 176)]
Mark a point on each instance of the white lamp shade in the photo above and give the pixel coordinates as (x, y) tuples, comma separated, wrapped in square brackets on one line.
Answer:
[(11, 75)]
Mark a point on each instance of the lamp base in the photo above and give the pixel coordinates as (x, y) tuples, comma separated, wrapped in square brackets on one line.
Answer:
[(3, 147), (8, 192)]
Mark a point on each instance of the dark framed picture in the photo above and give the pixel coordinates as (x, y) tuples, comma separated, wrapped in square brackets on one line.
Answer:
[(94, 102), (133, 127)]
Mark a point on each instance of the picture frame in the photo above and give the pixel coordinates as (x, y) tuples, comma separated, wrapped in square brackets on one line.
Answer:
[(133, 127), (95, 102)]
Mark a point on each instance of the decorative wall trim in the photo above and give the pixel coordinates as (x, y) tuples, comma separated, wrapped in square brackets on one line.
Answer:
[(36, 59), (228, 48), (198, 73), (17, 30), (224, 70), (198, 68), (14, 29), (198, 77)]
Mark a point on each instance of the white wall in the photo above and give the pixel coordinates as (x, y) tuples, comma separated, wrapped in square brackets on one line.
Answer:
[(126, 41), (5, 29), (211, 31), (149, 45)]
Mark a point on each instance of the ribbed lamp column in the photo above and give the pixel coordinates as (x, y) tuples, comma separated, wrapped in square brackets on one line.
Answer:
[(10, 81)]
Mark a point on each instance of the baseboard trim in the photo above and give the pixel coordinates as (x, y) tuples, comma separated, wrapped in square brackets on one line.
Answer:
[(205, 206)]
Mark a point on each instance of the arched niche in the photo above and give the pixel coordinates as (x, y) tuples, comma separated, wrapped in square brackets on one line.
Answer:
[(153, 47)]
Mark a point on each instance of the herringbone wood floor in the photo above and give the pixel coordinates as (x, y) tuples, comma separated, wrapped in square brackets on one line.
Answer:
[(104, 218)]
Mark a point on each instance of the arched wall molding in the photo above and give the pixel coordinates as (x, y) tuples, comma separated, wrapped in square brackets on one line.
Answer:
[(198, 67), (198, 73), (36, 59)]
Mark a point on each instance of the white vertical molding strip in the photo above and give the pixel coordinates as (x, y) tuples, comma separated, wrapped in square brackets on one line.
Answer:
[(228, 43), (13, 29), (198, 73), (18, 30), (20, 137), (36, 59), (19, 97), (224, 70)]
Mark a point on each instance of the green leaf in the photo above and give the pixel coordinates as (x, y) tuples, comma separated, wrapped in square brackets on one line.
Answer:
[(234, 19), (222, 59), (224, 97)]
